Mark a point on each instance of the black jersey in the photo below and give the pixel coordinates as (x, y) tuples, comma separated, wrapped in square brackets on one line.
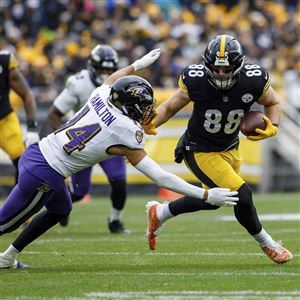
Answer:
[(5, 64), (214, 124)]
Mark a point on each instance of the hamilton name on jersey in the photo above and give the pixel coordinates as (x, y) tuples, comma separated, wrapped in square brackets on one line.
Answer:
[(101, 110), (85, 139)]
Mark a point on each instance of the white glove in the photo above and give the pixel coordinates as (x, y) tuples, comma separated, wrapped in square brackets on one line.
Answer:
[(31, 137), (146, 60), (222, 197)]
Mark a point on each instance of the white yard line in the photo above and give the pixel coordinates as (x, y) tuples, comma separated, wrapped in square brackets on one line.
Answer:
[(267, 217), (236, 254), (206, 295)]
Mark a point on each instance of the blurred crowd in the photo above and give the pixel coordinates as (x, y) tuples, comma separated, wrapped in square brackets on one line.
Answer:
[(53, 38)]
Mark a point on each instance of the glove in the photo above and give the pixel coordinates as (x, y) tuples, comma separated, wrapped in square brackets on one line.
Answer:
[(222, 197), (149, 126), (32, 134), (270, 130), (146, 60)]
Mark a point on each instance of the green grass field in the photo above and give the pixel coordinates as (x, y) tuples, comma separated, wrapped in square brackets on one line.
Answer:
[(201, 255)]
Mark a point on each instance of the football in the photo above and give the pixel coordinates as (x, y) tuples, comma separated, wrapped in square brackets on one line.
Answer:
[(251, 121)]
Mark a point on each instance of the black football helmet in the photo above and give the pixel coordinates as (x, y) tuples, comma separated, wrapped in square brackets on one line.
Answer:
[(102, 62), (133, 96), (224, 53)]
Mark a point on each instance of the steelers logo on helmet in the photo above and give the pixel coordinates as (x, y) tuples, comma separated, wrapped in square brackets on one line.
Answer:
[(223, 60)]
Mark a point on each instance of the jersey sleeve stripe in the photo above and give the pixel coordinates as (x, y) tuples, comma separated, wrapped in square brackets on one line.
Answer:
[(181, 85), (267, 85), (13, 63)]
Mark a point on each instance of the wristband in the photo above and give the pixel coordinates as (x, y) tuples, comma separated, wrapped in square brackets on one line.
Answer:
[(32, 124)]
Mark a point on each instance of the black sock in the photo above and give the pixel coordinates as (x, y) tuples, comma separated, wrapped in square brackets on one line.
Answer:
[(188, 204), (118, 194), (76, 198), (39, 225)]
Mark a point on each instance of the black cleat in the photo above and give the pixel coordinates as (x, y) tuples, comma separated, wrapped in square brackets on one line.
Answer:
[(64, 222), (117, 227)]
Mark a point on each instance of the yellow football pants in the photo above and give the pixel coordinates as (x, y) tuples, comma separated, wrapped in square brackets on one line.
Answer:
[(219, 169)]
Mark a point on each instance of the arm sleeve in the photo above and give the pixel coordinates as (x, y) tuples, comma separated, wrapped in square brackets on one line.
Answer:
[(168, 180)]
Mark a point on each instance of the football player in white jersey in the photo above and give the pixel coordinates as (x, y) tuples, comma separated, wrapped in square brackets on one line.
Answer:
[(108, 125), (103, 61)]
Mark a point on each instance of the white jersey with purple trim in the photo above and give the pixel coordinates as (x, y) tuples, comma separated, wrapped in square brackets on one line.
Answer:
[(76, 92), (83, 141)]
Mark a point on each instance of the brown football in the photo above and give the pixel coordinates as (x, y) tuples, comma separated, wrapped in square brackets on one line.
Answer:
[(251, 121)]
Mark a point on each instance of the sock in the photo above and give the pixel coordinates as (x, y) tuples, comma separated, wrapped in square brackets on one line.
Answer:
[(163, 212), (263, 238), (115, 214), (11, 252)]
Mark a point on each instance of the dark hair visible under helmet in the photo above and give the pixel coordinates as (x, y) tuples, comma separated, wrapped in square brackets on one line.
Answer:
[(133, 96), (102, 58), (223, 51)]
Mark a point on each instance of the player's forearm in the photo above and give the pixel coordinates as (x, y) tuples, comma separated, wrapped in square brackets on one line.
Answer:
[(129, 70), (273, 112), (29, 106), (168, 180), (162, 115)]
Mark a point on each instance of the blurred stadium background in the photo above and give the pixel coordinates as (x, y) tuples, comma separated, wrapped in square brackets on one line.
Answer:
[(53, 39)]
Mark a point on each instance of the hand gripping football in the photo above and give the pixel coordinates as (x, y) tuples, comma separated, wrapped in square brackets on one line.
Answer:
[(251, 121)]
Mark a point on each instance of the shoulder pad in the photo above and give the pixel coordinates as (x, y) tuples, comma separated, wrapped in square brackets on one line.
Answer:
[(257, 76), (191, 77)]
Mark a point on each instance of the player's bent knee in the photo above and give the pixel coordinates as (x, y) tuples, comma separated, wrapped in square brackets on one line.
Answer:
[(245, 195)]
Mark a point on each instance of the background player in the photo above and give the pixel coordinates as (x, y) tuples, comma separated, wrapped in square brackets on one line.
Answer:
[(223, 90), (108, 125), (102, 62), (11, 137)]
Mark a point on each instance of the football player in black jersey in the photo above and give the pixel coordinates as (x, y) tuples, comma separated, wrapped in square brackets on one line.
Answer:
[(222, 89), (11, 138)]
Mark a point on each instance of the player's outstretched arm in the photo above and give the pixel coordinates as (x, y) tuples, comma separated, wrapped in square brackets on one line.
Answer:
[(139, 64), (146, 165), (216, 196), (167, 110)]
